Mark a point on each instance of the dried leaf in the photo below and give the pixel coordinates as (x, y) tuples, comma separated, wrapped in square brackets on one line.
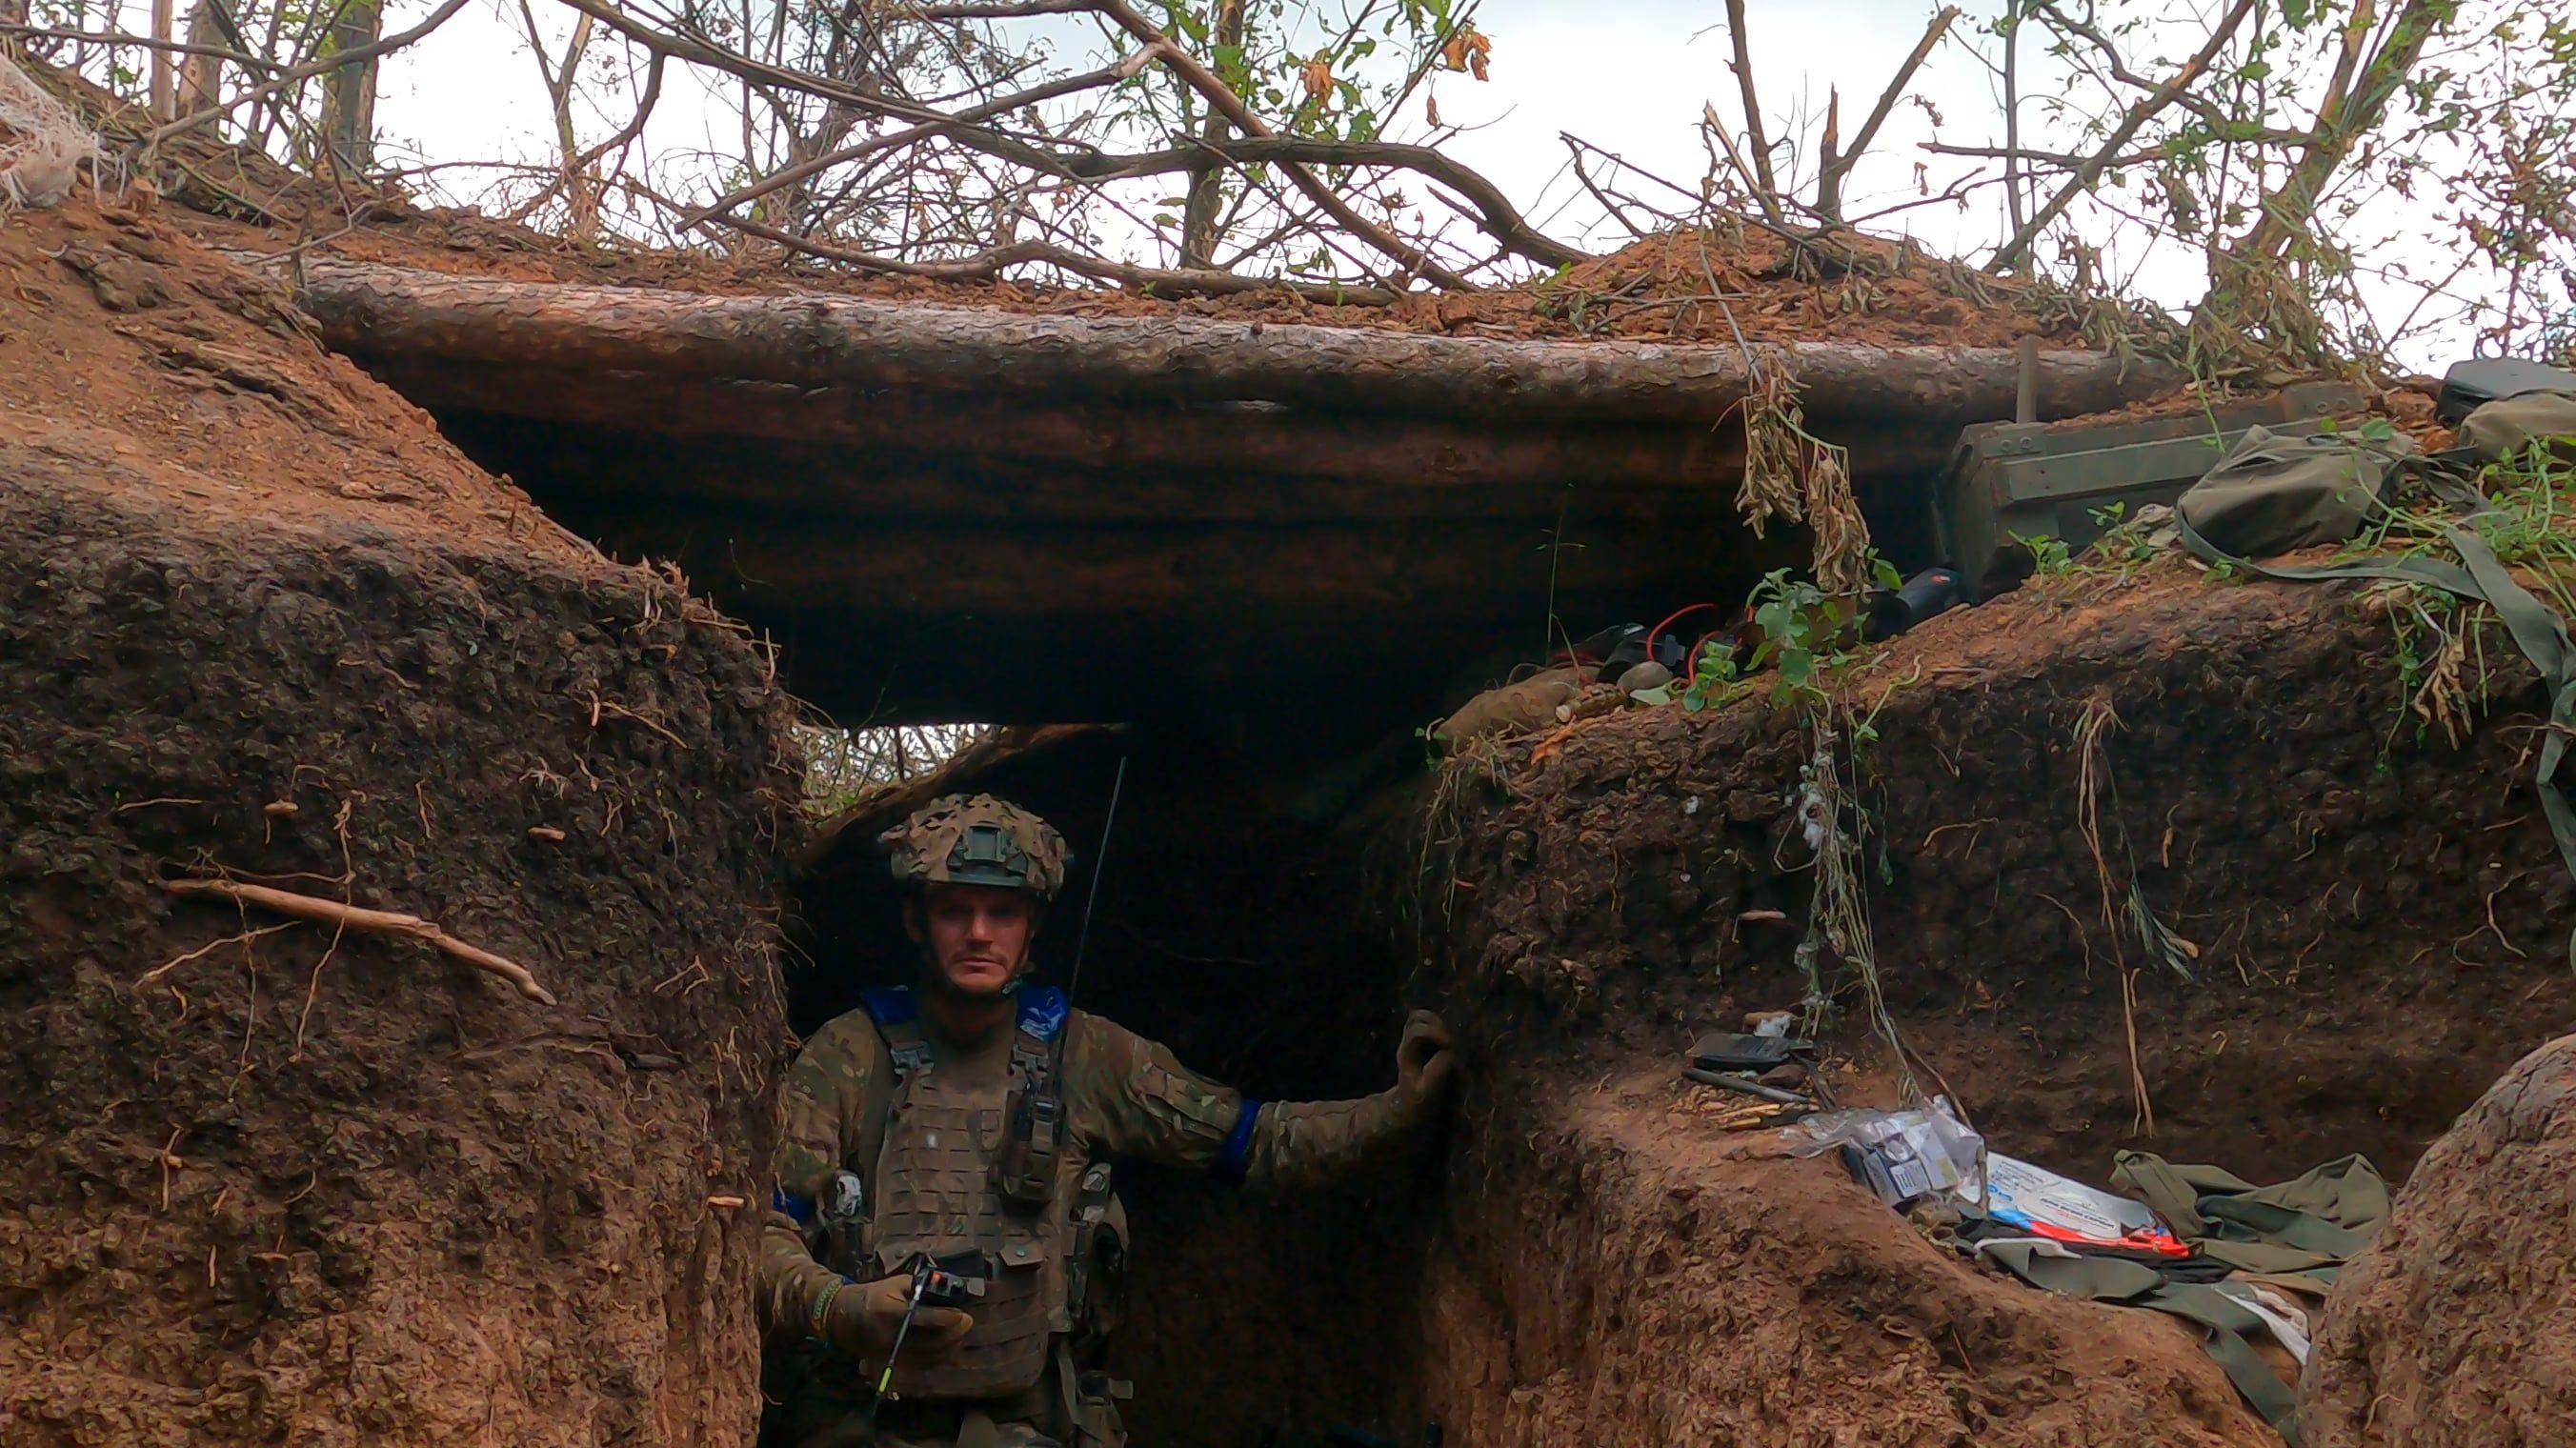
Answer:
[(1431, 111), (1319, 79), (1466, 50)]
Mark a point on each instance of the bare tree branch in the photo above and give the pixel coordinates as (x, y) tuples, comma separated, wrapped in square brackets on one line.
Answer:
[(1829, 186), (2013, 251), (355, 55), (1496, 216), (947, 126), (1767, 190), (113, 37)]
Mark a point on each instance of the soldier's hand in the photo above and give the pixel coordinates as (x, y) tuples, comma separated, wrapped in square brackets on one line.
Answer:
[(866, 1315), (1423, 1060)]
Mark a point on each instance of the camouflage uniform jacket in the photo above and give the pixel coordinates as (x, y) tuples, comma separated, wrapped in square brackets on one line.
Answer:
[(1125, 1097)]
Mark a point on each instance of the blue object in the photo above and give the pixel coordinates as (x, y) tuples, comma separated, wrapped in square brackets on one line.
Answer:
[(1042, 1011), (889, 1005), (1235, 1157), (799, 1208), (1042, 1008)]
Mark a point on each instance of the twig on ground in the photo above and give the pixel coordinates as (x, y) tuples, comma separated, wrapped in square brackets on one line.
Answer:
[(351, 917)]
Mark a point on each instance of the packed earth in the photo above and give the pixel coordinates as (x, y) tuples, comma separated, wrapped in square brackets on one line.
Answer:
[(407, 911)]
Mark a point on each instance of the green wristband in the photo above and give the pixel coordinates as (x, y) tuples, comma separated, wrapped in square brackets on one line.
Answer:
[(823, 1307)]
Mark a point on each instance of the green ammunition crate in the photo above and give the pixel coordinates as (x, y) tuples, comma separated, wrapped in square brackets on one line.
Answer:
[(2013, 480)]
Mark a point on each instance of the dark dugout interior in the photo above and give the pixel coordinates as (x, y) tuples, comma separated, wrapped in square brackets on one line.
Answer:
[(1236, 924)]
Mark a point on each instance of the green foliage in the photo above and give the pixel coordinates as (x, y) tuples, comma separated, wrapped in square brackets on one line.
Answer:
[(2050, 557), (1804, 631)]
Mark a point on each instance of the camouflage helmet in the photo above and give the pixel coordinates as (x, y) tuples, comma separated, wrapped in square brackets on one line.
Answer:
[(977, 840)]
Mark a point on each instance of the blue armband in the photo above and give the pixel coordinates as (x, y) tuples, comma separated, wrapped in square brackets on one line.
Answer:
[(1235, 1157), (801, 1209)]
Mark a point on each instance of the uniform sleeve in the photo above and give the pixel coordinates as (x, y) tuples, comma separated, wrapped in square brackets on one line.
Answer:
[(819, 1105), (1144, 1104), (1136, 1100)]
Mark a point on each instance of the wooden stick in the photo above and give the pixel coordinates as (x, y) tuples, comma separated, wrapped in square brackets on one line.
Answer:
[(381, 922)]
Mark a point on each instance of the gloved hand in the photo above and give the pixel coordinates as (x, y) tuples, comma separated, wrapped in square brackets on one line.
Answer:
[(864, 1315), (1423, 1060)]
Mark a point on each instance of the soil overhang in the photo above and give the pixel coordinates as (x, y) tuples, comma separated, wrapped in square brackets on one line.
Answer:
[(958, 512)]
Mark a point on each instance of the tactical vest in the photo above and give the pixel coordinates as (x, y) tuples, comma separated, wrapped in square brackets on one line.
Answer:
[(933, 1190)]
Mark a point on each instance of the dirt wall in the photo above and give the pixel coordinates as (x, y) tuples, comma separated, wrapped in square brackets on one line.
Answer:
[(2458, 1326), (263, 1184), (2377, 920)]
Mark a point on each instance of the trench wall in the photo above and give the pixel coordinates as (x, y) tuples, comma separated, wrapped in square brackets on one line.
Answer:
[(264, 1185)]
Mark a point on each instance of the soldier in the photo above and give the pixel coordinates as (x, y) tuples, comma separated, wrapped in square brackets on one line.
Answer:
[(965, 1121)]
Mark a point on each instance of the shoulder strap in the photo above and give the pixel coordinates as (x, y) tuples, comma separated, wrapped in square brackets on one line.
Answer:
[(897, 1018)]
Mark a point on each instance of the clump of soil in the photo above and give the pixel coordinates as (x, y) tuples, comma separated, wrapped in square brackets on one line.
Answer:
[(2458, 1324), (269, 1183)]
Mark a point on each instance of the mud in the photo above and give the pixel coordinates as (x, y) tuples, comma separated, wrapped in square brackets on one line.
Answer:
[(2458, 1326), (258, 620)]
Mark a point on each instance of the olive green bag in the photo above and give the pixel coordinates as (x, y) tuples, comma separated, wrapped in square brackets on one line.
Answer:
[(2479, 576), (2272, 493), (2507, 426)]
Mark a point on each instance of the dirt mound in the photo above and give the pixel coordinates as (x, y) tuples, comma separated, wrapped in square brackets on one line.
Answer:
[(1628, 1276), (272, 1183), (2458, 1326)]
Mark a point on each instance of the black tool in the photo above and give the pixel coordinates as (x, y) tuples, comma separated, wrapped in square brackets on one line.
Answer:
[(1734, 1051), (955, 1280), (1746, 1085)]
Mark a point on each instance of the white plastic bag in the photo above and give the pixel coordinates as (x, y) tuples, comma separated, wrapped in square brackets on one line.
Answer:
[(1902, 1155)]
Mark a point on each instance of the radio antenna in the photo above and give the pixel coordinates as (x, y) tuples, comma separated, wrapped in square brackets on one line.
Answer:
[(1099, 863)]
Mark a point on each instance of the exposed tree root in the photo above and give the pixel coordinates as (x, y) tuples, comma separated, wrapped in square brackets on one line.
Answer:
[(351, 917)]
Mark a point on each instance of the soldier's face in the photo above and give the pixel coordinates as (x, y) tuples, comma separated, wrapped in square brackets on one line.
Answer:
[(977, 936)]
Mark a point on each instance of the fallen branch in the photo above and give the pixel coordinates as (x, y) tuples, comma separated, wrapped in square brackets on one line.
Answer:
[(351, 917)]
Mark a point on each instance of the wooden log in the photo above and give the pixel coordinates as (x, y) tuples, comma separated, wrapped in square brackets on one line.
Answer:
[(839, 341), (581, 470), (1211, 443), (760, 566)]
